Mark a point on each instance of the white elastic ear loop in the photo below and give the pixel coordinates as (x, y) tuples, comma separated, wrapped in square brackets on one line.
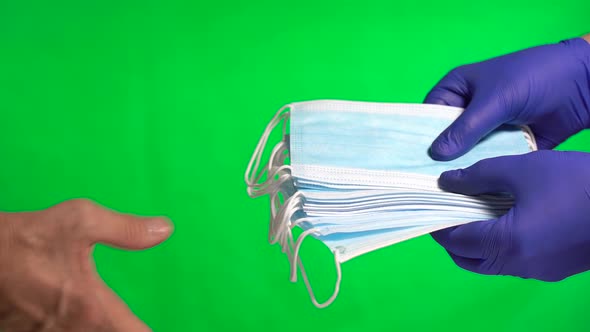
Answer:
[(284, 231), (278, 148), (336, 287), (277, 208), (277, 217), (280, 222), (529, 137), (283, 234), (270, 186), (253, 165), (283, 147), (252, 170), (295, 260), (275, 203), (275, 166), (300, 239)]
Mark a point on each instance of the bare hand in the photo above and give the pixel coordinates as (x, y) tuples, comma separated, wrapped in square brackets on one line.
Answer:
[(48, 281)]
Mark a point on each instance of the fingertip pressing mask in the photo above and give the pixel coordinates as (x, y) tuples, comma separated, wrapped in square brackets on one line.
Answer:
[(357, 176)]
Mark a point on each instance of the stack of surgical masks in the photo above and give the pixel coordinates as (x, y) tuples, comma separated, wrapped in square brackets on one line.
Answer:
[(357, 176)]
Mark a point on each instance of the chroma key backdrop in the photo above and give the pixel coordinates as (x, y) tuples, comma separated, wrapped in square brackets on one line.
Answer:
[(155, 107)]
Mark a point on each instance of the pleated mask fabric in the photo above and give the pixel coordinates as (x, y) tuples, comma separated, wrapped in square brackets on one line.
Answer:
[(357, 176)]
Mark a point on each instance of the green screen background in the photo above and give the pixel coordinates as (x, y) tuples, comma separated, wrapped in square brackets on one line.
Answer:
[(155, 108)]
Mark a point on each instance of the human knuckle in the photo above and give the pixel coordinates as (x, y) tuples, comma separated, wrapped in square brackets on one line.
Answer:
[(78, 214), (69, 218), (83, 207)]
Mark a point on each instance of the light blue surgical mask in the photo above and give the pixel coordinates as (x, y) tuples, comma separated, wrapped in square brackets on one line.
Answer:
[(360, 177)]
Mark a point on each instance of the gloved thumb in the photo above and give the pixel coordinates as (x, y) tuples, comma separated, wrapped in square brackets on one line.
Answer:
[(482, 115), (490, 175)]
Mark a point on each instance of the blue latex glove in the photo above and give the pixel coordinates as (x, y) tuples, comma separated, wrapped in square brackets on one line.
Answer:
[(545, 236), (546, 87)]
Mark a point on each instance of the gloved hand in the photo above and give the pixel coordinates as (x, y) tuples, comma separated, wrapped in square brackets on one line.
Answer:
[(546, 87), (545, 236)]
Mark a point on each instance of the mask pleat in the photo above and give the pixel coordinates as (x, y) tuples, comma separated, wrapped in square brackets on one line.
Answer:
[(360, 178)]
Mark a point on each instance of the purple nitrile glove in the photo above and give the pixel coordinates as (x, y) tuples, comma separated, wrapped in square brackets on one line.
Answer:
[(546, 87), (545, 236)]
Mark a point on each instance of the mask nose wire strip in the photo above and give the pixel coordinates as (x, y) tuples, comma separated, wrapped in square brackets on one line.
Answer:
[(252, 171)]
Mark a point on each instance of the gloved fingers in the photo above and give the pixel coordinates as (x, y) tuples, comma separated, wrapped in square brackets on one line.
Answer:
[(549, 138), (482, 115), (544, 143), (451, 90), (470, 264), (476, 240), (491, 175)]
